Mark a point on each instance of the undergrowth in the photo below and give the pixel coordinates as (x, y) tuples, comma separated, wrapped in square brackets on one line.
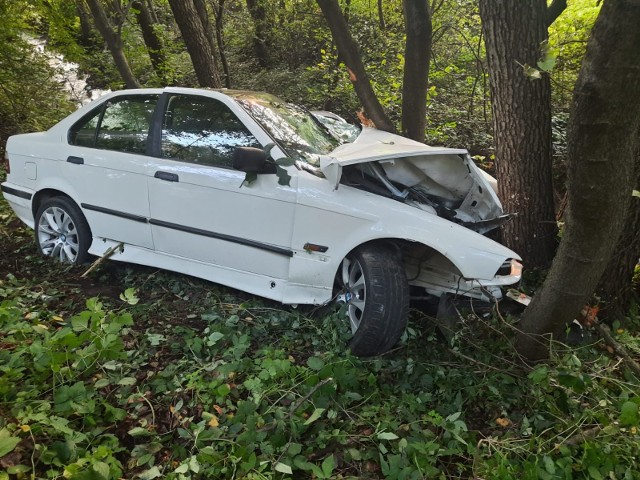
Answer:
[(165, 376)]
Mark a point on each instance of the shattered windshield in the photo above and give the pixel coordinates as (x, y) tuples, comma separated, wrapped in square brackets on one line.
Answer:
[(294, 128)]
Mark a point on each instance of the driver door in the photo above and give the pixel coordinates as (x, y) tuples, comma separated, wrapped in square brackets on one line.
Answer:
[(199, 208)]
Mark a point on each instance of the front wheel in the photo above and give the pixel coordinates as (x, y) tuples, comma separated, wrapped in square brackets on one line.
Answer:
[(62, 232), (372, 285)]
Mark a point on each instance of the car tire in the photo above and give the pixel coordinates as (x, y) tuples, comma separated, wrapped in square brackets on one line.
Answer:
[(372, 285), (62, 231)]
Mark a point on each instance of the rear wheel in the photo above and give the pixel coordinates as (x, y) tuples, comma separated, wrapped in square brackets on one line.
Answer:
[(372, 285), (62, 232)]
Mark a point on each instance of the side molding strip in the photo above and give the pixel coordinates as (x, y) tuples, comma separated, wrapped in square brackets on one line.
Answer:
[(16, 193), (116, 213), (221, 236)]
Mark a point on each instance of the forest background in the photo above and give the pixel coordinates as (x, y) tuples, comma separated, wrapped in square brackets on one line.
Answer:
[(258, 391)]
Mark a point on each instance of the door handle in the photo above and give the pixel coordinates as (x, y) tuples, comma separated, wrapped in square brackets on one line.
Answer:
[(169, 177), (75, 160)]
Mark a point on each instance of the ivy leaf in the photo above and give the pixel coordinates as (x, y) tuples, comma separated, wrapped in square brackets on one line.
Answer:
[(532, 73), (7, 444), (328, 465), (387, 436), (315, 416), (129, 296), (249, 178), (285, 161), (283, 468), (267, 150), (283, 177), (629, 413), (635, 193)]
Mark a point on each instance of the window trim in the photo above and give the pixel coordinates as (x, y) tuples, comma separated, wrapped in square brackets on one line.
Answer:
[(158, 121), (102, 109)]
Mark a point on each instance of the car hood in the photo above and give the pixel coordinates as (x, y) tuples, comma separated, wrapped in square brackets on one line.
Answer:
[(444, 181), (373, 144)]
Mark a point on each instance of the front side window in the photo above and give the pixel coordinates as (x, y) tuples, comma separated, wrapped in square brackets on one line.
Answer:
[(303, 137), (203, 130), (122, 124)]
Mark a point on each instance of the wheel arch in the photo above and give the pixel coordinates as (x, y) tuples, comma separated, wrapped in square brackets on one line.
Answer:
[(409, 253), (45, 194)]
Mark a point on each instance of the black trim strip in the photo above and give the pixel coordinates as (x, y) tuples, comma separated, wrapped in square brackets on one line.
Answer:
[(221, 236), (17, 193), (116, 213)]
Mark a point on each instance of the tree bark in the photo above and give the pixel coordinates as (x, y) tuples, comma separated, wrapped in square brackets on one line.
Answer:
[(151, 39), (602, 147), (114, 43), (521, 107), (417, 54), (195, 39), (348, 50), (218, 10), (261, 31), (85, 24), (616, 284), (383, 24)]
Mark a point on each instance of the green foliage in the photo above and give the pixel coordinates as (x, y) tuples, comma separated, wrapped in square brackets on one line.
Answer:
[(30, 97), (177, 378)]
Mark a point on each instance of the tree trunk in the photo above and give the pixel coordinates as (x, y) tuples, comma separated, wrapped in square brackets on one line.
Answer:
[(383, 24), (195, 39), (417, 53), (203, 13), (219, 15), (114, 43), (151, 40), (602, 147), (85, 25), (521, 106), (261, 31), (554, 10), (348, 50), (616, 284)]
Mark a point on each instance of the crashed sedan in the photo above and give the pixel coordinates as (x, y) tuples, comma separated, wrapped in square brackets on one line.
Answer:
[(243, 189)]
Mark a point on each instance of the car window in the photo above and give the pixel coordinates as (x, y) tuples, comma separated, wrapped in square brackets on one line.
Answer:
[(122, 124), (203, 130)]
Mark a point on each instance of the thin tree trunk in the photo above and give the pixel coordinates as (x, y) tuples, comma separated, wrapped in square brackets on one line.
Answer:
[(521, 106), (152, 11), (203, 13), (417, 54), (383, 24), (195, 39), (554, 10), (151, 40), (261, 31), (85, 24), (602, 147), (348, 51), (114, 43), (616, 284), (219, 15)]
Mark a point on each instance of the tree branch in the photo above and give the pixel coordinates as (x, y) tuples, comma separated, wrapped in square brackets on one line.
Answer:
[(554, 10)]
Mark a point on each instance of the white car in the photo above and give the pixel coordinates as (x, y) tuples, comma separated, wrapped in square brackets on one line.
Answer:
[(245, 190)]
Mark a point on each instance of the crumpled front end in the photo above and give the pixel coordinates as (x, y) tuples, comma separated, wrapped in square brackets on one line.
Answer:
[(441, 181)]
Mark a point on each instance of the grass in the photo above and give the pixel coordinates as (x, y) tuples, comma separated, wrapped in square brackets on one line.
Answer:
[(139, 373)]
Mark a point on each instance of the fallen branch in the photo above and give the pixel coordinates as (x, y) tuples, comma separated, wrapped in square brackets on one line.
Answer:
[(617, 348), (110, 251)]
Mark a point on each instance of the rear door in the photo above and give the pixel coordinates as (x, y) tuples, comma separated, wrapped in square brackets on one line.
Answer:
[(198, 208), (107, 164)]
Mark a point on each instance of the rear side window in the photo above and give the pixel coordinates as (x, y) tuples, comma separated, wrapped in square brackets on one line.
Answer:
[(122, 125), (203, 130)]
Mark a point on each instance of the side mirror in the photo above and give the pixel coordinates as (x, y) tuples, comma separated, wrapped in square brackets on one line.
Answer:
[(251, 160)]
